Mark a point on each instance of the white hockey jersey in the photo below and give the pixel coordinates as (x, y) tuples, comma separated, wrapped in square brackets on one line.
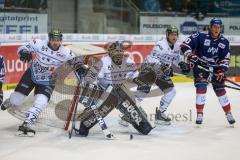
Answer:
[(163, 54), (45, 60), (105, 72)]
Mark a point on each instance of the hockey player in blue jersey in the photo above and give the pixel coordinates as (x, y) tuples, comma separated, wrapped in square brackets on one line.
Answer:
[(211, 51), (2, 76)]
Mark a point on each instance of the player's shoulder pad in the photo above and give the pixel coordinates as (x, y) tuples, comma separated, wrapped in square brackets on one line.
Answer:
[(197, 34), (223, 43), (67, 51), (224, 39), (160, 41), (38, 41)]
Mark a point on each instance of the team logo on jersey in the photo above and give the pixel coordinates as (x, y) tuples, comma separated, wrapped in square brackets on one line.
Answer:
[(42, 48), (212, 50), (207, 42), (60, 55), (221, 45)]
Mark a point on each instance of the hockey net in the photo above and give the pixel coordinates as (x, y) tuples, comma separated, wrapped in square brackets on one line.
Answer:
[(59, 111)]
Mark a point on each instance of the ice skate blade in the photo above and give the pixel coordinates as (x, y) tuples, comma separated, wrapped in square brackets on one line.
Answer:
[(162, 123), (21, 134), (123, 123)]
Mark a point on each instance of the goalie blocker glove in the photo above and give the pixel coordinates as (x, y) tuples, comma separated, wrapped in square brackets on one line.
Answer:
[(25, 55)]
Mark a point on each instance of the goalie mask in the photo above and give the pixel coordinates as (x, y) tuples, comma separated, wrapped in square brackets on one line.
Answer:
[(116, 52)]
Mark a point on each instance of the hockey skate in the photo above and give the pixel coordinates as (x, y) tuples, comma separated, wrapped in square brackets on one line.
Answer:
[(199, 119), (6, 104), (161, 118), (25, 131), (230, 118), (83, 131)]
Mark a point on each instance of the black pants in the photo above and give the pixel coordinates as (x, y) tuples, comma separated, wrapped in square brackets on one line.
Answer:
[(26, 85)]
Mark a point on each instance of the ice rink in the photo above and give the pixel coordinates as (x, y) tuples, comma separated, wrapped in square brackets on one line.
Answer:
[(182, 140)]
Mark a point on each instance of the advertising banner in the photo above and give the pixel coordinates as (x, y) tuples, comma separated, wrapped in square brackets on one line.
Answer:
[(186, 25), (15, 68), (13, 23)]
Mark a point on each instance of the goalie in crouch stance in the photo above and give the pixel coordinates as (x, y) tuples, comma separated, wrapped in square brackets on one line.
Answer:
[(210, 51), (111, 71), (49, 55)]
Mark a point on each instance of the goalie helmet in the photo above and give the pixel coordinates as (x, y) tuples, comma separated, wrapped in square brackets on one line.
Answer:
[(116, 52), (55, 34)]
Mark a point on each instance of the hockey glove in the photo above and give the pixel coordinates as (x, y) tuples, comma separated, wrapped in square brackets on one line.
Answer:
[(192, 59), (184, 67), (219, 75), (25, 55), (167, 70)]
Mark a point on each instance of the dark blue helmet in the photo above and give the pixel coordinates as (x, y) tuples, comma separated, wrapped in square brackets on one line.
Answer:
[(216, 21)]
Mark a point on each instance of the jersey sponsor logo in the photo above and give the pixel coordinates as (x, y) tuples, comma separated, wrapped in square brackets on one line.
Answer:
[(207, 42), (221, 45), (102, 112), (212, 50), (60, 55), (133, 113)]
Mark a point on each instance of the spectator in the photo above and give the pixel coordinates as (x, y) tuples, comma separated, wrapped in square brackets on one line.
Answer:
[(2, 3), (188, 6), (151, 5)]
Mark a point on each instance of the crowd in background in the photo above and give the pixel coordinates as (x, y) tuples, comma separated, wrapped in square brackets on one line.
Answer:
[(24, 4), (189, 6)]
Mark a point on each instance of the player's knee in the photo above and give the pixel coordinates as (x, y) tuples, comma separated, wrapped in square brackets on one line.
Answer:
[(17, 98), (40, 101)]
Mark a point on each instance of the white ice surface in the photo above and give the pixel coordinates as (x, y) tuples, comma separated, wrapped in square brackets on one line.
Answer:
[(182, 140)]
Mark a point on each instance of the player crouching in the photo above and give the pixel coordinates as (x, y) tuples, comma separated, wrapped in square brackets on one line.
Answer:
[(107, 77)]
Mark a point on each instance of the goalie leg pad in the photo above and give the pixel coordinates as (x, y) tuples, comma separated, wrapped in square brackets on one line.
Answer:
[(89, 117), (137, 117)]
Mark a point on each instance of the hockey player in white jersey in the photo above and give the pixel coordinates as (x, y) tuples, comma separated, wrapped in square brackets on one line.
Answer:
[(44, 58), (111, 71), (158, 66)]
